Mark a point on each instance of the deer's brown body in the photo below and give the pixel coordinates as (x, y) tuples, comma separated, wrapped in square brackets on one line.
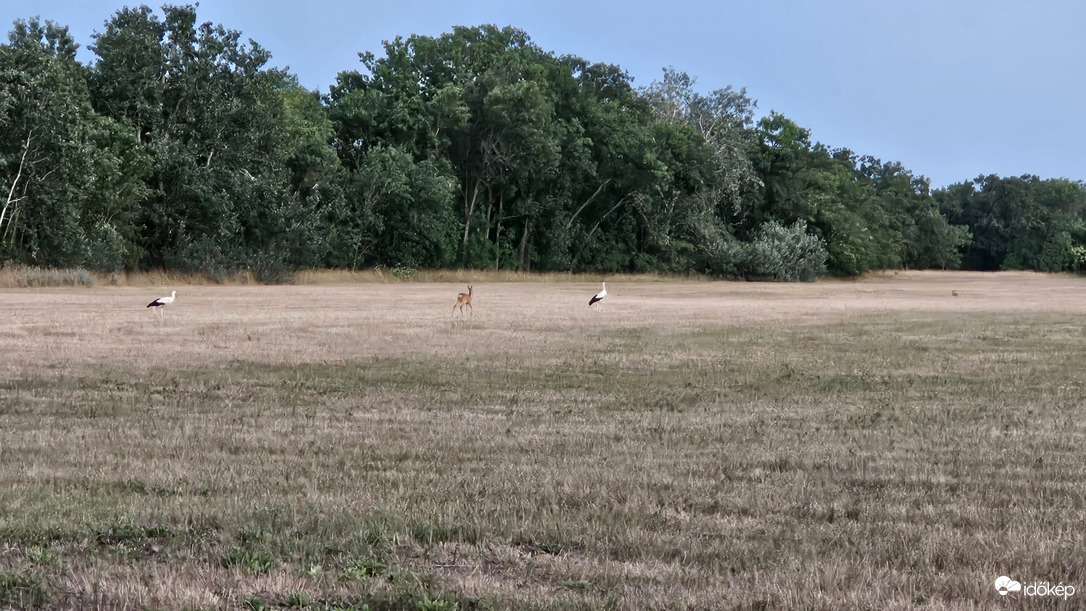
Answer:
[(464, 299)]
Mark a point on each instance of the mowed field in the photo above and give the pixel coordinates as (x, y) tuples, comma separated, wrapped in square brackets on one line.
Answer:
[(880, 443)]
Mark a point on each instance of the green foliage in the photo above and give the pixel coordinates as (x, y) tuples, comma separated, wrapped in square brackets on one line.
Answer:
[(363, 568), (437, 605), (72, 178), (299, 599), (25, 589), (179, 149), (785, 253), (248, 560), (1019, 222), (239, 153), (407, 209), (872, 215)]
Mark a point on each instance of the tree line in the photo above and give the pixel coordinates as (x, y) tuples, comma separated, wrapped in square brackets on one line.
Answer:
[(179, 148)]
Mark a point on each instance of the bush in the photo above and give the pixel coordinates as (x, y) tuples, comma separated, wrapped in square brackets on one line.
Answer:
[(785, 254), (726, 258)]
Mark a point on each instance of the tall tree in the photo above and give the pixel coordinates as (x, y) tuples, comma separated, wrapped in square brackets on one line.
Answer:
[(1019, 222), (228, 186), (72, 177), (723, 120), (926, 238)]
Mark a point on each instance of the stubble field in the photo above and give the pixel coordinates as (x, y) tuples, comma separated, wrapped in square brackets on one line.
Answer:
[(879, 444)]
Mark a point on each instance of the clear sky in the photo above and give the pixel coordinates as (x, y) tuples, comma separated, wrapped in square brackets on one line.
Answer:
[(950, 88)]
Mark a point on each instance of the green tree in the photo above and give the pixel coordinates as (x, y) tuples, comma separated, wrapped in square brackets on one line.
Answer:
[(476, 148), (807, 182), (725, 120), (73, 177), (925, 236), (522, 131), (1019, 222), (234, 147), (871, 215), (407, 210)]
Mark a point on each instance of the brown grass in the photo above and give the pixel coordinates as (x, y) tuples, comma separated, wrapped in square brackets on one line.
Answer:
[(877, 444)]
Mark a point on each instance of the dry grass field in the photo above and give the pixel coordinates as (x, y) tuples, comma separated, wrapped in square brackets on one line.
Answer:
[(879, 444)]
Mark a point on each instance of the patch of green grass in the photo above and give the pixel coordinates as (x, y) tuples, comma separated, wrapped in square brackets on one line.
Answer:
[(437, 605), (129, 531), (41, 556), (248, 560), (364, 568), (138, 486), (299, 599), (25, 589), (34, 536)]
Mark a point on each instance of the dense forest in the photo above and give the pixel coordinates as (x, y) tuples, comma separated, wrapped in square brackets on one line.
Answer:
[(179, 148)]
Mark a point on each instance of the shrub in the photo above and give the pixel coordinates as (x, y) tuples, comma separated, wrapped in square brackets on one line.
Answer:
[(785, 253)]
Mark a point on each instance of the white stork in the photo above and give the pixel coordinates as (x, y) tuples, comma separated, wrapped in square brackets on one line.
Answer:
[(162, 302), (598, 296)]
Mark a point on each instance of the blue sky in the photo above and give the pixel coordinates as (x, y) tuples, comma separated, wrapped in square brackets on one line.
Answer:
[(951, 89)]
